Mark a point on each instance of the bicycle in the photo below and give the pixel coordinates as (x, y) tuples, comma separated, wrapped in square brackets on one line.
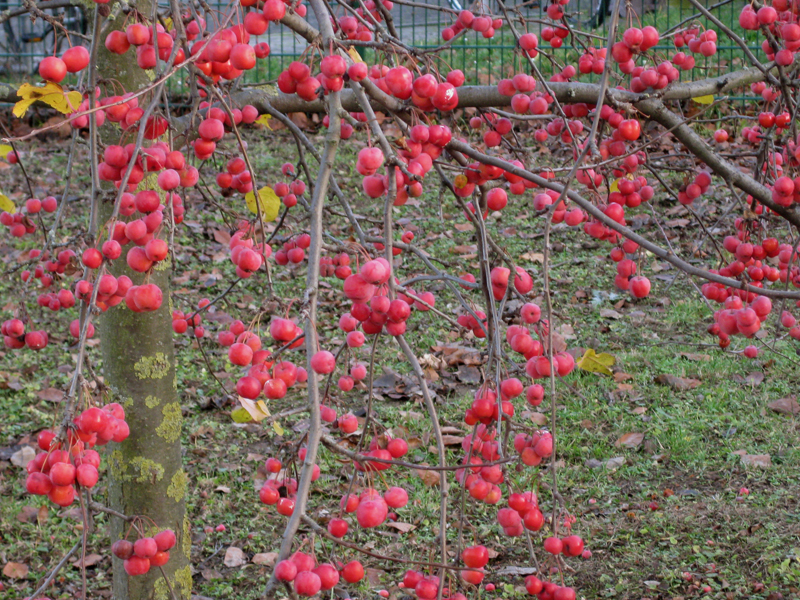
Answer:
[(25, 43)]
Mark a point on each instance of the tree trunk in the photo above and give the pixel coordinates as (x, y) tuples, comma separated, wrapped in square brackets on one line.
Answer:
[(146, 473)]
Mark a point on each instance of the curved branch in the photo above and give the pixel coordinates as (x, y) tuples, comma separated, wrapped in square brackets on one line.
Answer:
[(621, 229)]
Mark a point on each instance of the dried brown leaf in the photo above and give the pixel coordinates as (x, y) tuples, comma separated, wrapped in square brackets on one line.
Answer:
[(429, 478), (630, 440), (15, 570), (785, 406), (678, 383), (234, 557), (401, 527)]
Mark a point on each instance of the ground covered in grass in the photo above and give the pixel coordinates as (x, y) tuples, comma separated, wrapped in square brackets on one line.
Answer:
[(680, 469)]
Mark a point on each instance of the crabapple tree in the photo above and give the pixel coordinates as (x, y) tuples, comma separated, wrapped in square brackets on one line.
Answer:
[(604, 114)]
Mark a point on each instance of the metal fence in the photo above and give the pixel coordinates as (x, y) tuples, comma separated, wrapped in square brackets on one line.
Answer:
[(23, 43)]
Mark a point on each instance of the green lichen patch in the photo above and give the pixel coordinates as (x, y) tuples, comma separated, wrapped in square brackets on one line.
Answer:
[(148, 470), (116, 465), (170, 428), (163, 265), (181, 583), (152, 367), (152, 401), (178, 484), (186, 540)]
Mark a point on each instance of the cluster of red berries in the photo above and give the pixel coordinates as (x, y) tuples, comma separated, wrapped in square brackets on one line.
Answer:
[(634, 41), (288, 192), (145, 553), (384, 449), (54, 68), (469, 322), (426, 587), (555, 36), (54, 472), (20, 223), (698, 43), (236, 176), (246, 254), (182, 321), (500, 276), (688, 193), (534, 448), (522, 513), (780, 21), (45, 273), (483, 24), (15, 337), (593, 61), (293, 250), (309, 579)]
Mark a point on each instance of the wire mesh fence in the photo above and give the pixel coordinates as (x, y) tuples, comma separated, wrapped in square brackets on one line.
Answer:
[(420, 23)]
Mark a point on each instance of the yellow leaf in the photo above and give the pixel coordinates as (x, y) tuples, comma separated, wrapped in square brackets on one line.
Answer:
[(268, 201), (254, 409), (596, 363), (6, 204), (264, 120), (353, 53), (704, 99), (276, 427), (4, 150), (168, 23), (51, 94), (240, 415)]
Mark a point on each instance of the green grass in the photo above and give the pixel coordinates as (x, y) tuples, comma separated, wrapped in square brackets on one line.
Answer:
[(673, 507)]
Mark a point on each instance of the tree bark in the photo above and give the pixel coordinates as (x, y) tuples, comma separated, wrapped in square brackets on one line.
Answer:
[(146, 473)]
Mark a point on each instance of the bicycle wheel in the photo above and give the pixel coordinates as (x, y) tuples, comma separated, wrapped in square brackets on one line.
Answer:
[(9, 40), (54, 40)]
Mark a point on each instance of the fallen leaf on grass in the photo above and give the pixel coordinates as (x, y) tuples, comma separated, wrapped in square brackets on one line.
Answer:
[(374, 576), (463, 249), (265, 558), (695, 357), (23, 456), (630, 440), (452, 440), (234, 557), (608, 313), (429, 478), (619, 376), (515, 571), (28, 514), (210, 574), (596, 363), (89, 561), (757, 460), (51, 394), (15, 570), (533, 257), (537, 418), (678, 383), (401, 527), (785, 406), (753, 379)]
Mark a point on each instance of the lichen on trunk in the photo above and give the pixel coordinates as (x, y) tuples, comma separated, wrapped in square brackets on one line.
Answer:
[(146, 471)]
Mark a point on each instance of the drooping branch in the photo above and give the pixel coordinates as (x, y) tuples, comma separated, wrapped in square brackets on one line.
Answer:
[(621, 229)]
